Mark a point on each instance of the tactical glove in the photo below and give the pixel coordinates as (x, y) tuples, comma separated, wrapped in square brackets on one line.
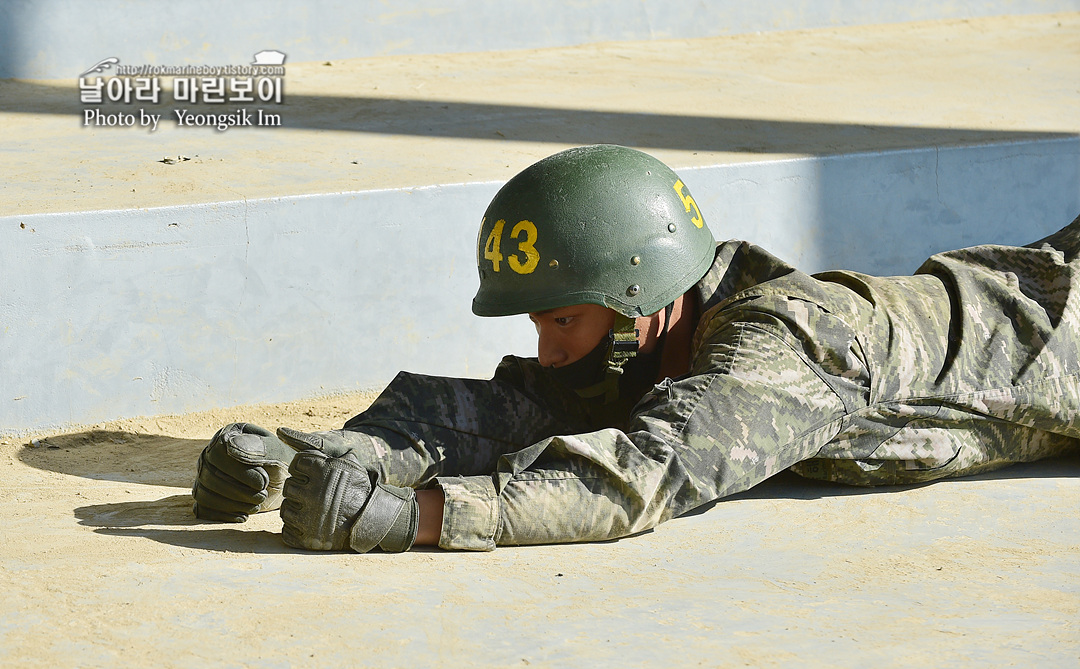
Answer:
[(334, 443), (240, 472), (334, 503)]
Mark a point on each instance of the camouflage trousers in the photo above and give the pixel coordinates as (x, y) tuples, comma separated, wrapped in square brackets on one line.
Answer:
[(970, 366)]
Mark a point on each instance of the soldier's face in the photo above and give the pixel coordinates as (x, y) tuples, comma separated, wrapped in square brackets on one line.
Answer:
[(566, 334)]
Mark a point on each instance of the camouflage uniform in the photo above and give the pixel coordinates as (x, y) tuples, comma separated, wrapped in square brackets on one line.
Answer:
[(967, 366)]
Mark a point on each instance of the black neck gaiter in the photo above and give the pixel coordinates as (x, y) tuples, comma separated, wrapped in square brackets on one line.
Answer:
[(586, 371), (639, 372)]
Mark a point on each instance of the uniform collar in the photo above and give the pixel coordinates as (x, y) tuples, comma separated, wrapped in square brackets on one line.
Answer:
[(737, 266)]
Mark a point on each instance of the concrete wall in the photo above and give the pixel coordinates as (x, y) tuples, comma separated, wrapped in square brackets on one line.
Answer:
[(106, 314), (54, 39), (174, 309)]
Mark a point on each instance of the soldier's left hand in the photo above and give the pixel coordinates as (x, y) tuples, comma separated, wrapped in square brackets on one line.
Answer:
[(240, 472)]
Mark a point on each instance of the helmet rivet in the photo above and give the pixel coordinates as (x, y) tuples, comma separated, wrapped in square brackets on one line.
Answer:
[(671, 227), (633, 290), (554, 264), (636, 260)]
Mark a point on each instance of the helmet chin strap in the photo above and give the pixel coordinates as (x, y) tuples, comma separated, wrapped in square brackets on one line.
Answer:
[(623, 346)]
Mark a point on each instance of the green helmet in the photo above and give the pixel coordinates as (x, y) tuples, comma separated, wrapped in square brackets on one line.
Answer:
[(600, 224)]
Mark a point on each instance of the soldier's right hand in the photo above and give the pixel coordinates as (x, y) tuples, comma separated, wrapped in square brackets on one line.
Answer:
[(240, 472)]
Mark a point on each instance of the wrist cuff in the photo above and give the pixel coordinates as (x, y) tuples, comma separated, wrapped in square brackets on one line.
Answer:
[(389, 520)]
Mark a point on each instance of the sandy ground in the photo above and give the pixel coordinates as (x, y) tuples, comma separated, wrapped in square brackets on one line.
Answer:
[(103, 564), (418, 120)]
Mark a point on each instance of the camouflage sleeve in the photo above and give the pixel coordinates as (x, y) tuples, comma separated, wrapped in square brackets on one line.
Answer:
[(424, 426), (753, 407)]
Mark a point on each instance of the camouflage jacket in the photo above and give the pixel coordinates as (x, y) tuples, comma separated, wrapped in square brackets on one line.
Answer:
[(969, 365)]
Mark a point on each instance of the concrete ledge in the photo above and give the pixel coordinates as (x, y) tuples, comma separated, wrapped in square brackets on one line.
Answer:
[(409, 121)]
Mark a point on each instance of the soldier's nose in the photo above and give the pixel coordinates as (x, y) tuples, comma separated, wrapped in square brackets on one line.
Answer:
[(548, 353)]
